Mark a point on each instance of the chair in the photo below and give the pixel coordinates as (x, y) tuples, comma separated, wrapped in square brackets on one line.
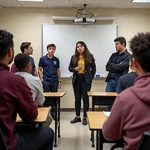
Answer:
[(144, 142), (117, 145), (3, 145)]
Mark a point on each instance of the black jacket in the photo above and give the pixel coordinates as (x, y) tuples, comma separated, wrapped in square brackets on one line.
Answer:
[(90, 70), (126, 81), (119, 69)]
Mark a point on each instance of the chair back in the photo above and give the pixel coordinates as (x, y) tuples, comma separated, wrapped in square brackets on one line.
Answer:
[(144, 142), (3, 145)]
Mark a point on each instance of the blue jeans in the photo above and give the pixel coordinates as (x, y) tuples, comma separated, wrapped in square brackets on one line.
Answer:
[(35, 139), (50, 87), (111, 87)]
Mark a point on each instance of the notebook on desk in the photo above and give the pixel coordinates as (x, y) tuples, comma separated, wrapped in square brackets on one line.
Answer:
[(107, 113)]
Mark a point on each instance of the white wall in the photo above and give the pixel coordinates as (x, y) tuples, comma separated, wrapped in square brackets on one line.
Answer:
[(25, 24)]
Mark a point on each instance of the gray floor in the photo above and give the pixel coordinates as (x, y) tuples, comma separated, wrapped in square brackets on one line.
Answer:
[(74, 136)]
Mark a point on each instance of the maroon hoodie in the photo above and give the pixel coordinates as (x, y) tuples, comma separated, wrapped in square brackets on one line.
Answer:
[(130, 114), (15, 97)]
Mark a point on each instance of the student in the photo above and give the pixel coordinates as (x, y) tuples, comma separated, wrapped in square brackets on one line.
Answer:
[(23, 64), (82, 64), (49, 72), (16, 97), (129, 116), (26, 48), (127, 80), (117, 65)]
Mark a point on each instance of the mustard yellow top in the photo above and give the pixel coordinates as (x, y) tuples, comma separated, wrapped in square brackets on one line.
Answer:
[(81, 63)]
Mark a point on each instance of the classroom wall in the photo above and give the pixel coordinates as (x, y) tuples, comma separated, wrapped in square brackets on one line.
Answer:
[(25, 24)]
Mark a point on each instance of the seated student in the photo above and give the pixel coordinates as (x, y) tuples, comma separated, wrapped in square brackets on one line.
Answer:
[(129, 116), (23, 65), (127, 80), (16, 97)]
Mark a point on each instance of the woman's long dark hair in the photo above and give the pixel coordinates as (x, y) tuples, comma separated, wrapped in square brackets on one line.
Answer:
[(86, 54)]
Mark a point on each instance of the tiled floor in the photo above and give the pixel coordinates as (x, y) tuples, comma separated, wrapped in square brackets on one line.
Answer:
[(74, 136)]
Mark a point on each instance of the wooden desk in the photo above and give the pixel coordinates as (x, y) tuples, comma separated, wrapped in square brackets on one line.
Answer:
[(96, 125), (54, 94), (96, 121), (101, 98), (41, 118), (53, 99)]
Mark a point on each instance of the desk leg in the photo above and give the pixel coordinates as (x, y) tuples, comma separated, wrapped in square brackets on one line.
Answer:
[(100, 140), (55, 142), (92, 138), (92, 132), (97, 140), (59, 117)]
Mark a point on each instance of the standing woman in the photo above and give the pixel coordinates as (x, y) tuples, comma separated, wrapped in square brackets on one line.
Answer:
[(82, 64)]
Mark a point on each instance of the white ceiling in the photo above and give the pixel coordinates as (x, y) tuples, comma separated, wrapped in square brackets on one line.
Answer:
[(74, 3)]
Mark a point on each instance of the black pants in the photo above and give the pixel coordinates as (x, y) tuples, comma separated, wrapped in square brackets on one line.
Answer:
[(81, 88), (51, 87)]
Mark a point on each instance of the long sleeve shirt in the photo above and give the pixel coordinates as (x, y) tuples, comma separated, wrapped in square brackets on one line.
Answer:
[(118, 65), (129, 116), (15, 97)]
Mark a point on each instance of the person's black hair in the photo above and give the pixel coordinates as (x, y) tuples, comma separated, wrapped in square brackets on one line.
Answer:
[(24, 45), (87, 55), (140, 47), (21, 61), (122, 40), (6, 42), (51, 45)]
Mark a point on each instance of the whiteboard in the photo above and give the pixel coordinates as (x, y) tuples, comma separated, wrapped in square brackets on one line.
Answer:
[(98, 38)]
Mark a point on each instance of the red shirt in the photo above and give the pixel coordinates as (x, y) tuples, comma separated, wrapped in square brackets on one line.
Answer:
[(15, 97), (13, 68)]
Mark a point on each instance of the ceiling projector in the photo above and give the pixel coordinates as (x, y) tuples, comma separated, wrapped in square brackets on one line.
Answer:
[(84, 20)]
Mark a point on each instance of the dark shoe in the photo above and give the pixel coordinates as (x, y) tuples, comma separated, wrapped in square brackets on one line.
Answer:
[(75, 120), (84, 122)]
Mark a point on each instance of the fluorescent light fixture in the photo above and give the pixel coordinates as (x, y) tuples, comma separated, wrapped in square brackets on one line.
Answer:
[(30, 0), (140, 1), (105, 18), (62, 18), (66, 18)]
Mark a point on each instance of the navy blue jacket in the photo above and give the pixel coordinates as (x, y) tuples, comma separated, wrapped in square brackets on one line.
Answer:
[(126, 81)]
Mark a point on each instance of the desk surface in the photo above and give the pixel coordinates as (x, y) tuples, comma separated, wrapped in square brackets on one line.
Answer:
[(42, 115), (102, 94), (54, 94), (96, 120)]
